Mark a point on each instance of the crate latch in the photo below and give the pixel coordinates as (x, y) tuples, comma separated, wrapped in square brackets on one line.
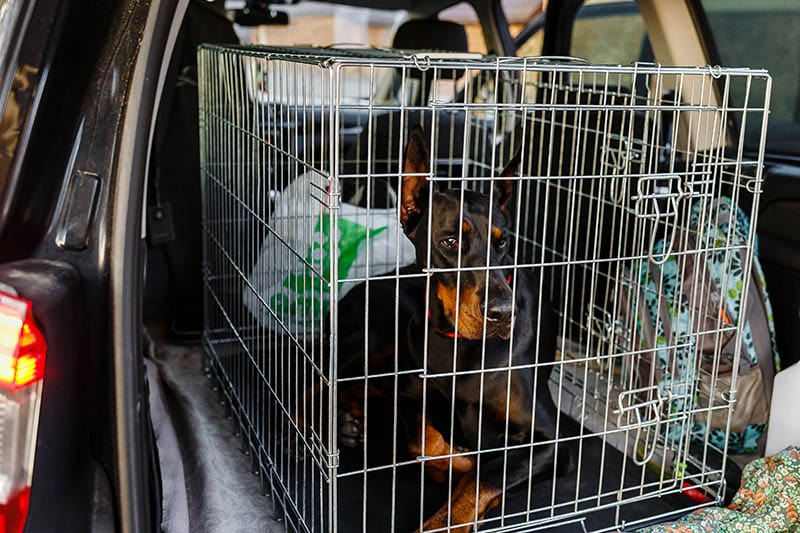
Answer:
[(641, 410), (608, 329), (619, 155), (658, 199)]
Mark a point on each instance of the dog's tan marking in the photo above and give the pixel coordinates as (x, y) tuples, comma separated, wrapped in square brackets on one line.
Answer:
[(497, 233), (447, 296), (470, 317), (466, 227), (465, 506), (435, 445)]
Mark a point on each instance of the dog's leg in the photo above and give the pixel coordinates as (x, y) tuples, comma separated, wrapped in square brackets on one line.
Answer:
[(472, 498), (350, 413), (435, 444)]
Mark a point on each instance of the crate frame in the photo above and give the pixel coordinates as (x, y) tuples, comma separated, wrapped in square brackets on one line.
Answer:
[(232, 69)]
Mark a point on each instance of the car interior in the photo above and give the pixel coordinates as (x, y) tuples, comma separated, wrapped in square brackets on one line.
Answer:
[(199, 439)]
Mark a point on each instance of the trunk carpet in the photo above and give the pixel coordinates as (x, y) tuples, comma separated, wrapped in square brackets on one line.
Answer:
[(209, 484), (200, 452)]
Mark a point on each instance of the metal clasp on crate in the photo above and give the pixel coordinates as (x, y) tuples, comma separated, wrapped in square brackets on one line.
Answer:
[(332, 460), (618, 157), (604, 327), (658, 196), (646, 406), (658, 199), (753, 184)]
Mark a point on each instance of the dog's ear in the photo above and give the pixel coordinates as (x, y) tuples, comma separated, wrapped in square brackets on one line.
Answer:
[(413, 192), (504, 188)]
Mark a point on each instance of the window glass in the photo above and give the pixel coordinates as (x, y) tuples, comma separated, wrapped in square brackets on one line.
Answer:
[(325, 24), (527, 18), (609, 33), (465, 15), (520, 13), (319, 24), (761, 34)]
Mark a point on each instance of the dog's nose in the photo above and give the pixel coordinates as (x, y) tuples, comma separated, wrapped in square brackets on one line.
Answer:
[(499, 312)]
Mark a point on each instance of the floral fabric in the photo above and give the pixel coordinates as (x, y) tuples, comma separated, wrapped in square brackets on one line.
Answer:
[(726, 270), (767, 501)]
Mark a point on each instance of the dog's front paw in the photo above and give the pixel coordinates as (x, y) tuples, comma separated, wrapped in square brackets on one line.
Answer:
[(442, 522), (351, 429)]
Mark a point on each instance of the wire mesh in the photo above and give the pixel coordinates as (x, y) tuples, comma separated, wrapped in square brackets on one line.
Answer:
[(324, 308)]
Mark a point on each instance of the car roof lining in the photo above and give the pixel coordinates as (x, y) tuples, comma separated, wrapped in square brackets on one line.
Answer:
[(420, 7)]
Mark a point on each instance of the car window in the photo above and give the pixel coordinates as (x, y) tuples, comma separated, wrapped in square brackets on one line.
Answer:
[(606, 32), (609, 33), (321, 24), (758, 34), (465, 15), (525, 23)]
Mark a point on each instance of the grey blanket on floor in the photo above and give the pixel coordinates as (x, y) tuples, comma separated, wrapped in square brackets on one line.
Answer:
[(207, 482)]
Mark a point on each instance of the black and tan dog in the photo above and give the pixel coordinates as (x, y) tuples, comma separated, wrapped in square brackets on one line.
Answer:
[(491, 334)]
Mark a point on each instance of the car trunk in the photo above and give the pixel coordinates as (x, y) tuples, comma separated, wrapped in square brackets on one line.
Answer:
[(211, 483), (214, 477)]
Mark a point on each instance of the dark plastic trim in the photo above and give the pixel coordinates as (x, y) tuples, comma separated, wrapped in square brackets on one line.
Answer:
[(136, 483)]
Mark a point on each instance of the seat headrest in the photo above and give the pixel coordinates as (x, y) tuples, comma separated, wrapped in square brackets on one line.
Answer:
[(432, 34)]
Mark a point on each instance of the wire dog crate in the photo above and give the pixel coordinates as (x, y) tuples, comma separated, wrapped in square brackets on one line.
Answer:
[(322, 301)]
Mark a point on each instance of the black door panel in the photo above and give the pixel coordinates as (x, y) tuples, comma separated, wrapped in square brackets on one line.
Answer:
[(779, 252)]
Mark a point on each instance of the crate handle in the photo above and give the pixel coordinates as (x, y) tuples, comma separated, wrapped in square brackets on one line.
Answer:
[(657, 201), (652, 408), (605, 327)]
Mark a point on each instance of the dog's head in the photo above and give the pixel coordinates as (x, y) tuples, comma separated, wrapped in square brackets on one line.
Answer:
[(465, 231)]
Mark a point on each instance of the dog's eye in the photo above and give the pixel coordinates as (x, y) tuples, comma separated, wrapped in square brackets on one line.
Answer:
[(449, 243), (502, 243)]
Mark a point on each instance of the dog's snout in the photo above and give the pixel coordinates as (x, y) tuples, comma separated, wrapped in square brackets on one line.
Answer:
[(500, 311)]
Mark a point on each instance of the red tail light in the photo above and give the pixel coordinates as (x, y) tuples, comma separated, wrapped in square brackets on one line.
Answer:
[(22, 346), (14, 512), (22, 358)]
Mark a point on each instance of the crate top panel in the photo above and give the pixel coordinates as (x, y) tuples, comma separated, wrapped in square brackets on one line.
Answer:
[(422, 59)]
